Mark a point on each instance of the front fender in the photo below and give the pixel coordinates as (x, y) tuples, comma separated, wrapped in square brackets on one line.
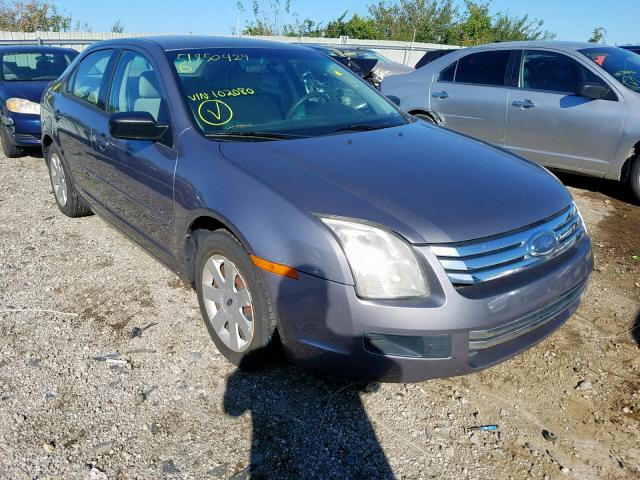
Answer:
[(267, 223)]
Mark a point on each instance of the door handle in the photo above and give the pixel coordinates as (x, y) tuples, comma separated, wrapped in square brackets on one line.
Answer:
[(524, 104), (440, 95), (102, 142)]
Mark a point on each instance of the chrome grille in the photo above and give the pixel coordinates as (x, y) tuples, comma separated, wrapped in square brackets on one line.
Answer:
[(478, 261)]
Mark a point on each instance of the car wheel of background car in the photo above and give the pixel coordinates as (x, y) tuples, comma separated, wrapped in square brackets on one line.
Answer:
[(8, 148), (634, 178), (233, 300), (66, 197), (425, 117)]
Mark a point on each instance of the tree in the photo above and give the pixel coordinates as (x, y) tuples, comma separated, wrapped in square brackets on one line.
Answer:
[(598, 35), (479, 26), (117, 27), (82, 27), (426, 20), (267, 17), (33, 15), (306, 28), (439, 21), (356, 27)]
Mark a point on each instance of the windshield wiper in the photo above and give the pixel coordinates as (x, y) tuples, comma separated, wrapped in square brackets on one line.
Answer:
[(253, 135), (360, 127)]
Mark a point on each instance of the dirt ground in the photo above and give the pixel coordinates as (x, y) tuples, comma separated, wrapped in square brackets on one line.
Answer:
[(84, 394)]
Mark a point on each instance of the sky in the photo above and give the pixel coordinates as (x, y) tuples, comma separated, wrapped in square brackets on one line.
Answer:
[(569, 19)]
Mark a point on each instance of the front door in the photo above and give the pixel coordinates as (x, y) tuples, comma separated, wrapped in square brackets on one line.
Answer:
[(549, 124), (138, 174)]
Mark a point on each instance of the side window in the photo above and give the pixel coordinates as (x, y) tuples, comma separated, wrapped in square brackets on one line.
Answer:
[(483, 68), (448, 73), (136, 88), (553, 72), (86, 81)]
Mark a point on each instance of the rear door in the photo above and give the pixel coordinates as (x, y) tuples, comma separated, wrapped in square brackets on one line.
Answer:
[(549, 124), (77, 112), (470, 95)]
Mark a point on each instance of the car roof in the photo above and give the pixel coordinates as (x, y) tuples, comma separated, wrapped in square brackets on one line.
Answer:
[(352, 47), (186, 42), (563, 45), (33, 48)]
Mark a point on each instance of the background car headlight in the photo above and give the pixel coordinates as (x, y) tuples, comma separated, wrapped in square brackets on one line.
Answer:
[(22, 105), (383, 264)]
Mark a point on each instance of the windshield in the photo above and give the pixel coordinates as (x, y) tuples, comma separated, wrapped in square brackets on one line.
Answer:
[(366, 54), (281, 92), (622, 64), (26, 66)]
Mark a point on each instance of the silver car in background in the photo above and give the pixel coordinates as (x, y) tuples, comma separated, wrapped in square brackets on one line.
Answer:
[(384, 68), (569, 106)]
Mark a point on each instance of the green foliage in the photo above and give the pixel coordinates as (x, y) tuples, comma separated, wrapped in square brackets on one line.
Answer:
[(117, 27), (440, 21), (356, 27), (267, 17), (33, 15), (598, 35), (429, 21)]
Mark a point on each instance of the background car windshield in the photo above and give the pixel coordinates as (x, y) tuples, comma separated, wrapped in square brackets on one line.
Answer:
[(622, 64), (367, 54), (280, 91), (25, 66)]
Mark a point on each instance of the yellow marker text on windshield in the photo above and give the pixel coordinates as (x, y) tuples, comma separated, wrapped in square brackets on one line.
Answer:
[(215, 112)]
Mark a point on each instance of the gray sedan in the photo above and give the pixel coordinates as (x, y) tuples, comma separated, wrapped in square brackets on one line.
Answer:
[(309, 212), (570, 106)]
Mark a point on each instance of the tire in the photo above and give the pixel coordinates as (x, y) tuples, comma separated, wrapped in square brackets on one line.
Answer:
[(67, 199), (425, 117), (221, 252), (8, 147), (634, 178)]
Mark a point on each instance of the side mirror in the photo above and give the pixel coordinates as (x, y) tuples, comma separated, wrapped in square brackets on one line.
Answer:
[(135, 126), (595, 91), (394, 99)]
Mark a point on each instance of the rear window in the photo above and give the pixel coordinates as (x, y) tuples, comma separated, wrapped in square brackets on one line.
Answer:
[(483, 68)]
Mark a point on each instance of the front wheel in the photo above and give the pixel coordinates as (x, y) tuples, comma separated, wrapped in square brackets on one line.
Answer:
[(233, 300), (634, 178), (8, 147)]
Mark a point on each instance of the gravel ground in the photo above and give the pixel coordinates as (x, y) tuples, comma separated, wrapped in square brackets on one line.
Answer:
[(119, 379)]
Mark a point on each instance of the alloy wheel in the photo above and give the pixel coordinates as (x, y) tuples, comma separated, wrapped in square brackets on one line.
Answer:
[(58, 179), (228, 303)]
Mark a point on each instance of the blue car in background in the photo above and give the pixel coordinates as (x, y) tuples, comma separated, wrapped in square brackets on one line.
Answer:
[(26, 72)]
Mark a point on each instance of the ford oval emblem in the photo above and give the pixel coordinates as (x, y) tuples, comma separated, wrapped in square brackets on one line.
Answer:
[(542, 244)]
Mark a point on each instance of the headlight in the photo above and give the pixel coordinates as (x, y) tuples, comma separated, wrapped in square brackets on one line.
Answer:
[(21, 105), (382, 263), (584, 225)]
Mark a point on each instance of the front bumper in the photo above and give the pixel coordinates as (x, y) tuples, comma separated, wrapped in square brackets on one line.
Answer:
[(325, 326), (24, 129)]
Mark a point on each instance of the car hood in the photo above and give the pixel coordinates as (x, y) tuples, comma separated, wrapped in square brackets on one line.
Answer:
[(30, 90), (428, 184), (387, 69)]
